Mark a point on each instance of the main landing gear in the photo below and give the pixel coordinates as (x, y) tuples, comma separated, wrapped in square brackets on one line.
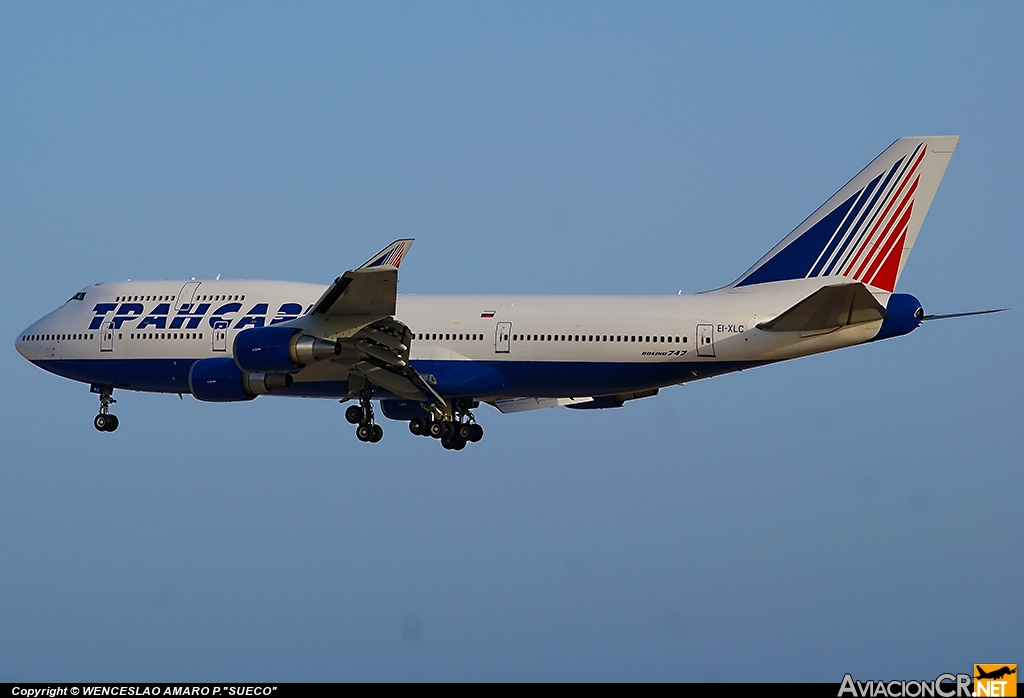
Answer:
[(452, 424), (105, 421), (455, 428), (362, 414)]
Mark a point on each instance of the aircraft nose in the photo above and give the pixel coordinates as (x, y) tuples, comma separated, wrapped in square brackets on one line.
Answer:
[(23, 342)]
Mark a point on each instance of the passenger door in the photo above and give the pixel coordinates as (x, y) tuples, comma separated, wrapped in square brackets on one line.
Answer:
[(705, 340), (107, 337), (186, 294), (502, 337), (220, 336)]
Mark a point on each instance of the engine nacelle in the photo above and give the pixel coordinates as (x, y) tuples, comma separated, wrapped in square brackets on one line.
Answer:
[(220, 380), (905, 316), (280, 349)]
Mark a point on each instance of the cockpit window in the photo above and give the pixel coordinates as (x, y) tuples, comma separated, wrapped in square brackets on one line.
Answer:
[(80, 296)]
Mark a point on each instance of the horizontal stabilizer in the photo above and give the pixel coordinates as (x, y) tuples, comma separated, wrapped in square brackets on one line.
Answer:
[(828, 309)]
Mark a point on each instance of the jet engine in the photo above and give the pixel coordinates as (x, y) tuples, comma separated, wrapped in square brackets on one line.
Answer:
[(220, 380), (280, 349)]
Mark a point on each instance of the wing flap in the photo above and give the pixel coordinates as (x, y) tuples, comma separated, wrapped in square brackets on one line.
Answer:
[(523, 404)]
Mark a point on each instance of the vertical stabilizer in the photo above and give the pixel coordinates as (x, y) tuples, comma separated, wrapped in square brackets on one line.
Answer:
[(866, 231)]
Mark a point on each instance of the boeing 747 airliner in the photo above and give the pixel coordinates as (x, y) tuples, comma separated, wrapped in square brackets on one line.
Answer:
[(431, 360)]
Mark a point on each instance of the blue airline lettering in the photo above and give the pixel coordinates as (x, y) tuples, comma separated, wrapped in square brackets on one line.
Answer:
[(218, 315), (256, 317), (101, 310), (190, 315), (127, 311), (158, 318), (288, 311), (186, 313)]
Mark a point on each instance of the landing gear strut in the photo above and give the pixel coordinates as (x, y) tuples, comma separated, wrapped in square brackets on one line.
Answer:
[(362, 414), (105, 421), (455, 426)]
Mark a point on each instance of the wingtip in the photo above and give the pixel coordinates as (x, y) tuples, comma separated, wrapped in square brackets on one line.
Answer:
[(391, 256)]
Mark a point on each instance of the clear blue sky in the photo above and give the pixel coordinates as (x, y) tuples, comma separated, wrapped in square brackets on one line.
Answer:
[(851, 512)]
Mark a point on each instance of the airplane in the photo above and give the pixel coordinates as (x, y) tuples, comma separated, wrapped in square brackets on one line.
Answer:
[(996, 674), (431, 360)]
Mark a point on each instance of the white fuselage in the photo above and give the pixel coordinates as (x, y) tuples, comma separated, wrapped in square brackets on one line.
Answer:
[(144, 335)]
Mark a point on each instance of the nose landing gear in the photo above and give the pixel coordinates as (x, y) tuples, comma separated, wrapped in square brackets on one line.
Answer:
[(105, 421)]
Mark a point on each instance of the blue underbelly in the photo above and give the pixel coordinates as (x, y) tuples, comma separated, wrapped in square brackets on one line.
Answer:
[(451, 378)]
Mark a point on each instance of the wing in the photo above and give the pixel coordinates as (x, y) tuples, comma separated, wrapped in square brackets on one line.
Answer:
[(358, 310), (370, 290)]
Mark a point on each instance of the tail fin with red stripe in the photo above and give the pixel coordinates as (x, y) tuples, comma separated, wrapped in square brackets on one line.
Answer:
[(866, 230)]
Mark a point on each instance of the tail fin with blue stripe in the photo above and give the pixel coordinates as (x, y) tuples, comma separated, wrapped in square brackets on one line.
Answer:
[(866, 230)]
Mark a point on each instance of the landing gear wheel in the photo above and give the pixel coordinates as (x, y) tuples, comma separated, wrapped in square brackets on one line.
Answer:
[(364, 432), (458, 443), (463, 431), (437, 429), (377, 433), (476, 432), (419, 426), (354, 414), (105, 421), (447, 442)]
